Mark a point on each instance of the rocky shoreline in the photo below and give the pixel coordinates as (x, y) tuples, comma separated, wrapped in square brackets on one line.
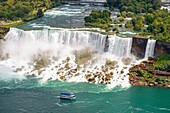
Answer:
[(145, 74), (79, 68)]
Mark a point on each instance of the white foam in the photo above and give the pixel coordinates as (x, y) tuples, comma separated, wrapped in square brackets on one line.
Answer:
[(150, 47), (7, 74), (22, 47)]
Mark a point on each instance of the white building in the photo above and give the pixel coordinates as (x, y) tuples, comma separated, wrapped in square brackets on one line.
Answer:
[(165, 2)]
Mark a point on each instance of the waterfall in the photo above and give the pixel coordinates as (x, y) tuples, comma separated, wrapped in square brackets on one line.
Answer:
[(26, 48), (22, 42), (149, 52), (120, 47), (61, 37)]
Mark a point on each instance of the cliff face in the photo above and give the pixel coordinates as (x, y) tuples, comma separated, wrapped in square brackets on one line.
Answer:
[(161, 48), (106, 44), (139, 47)]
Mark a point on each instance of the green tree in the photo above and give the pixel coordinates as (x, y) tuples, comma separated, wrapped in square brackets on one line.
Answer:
[(128, 24), (123, 14), (149, 18), (138, 26), (150, 10), (121, 19), (99, 19), (138, 23), (10, 2), (47, 3), (135, 6), (116, 21), (129, 14)]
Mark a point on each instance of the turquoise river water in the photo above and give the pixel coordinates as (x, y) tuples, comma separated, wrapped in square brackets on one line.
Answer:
[(29, 96)]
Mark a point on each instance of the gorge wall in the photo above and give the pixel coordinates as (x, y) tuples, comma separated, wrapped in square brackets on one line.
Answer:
[(139, 46), (161, 48)]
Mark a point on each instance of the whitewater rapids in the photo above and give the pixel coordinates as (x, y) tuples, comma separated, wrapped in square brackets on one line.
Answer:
[(57, 55)]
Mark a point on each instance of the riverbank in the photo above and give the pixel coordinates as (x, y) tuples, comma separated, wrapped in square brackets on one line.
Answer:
[(15, 13), (152, 72)]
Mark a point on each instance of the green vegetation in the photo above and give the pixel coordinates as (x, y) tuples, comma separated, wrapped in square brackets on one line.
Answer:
[(5, 28), (138, 23), (16, 12), (116, 21), (125, 14), (163, 63), (152, 72), (121, 19), (100, 19), (23, 9), (144, 12), (147, 20), (3, 32), (158, 25), (136, 6), (11, 25), (128, 24)]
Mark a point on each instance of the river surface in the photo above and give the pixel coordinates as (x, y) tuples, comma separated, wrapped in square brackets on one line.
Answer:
[(66, 16), (20, 94), (29, 96)]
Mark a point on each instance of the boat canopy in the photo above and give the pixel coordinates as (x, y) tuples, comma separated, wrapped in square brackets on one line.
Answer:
[(66, 93)]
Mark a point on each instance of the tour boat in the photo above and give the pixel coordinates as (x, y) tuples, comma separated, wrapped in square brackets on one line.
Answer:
[(68, 96)]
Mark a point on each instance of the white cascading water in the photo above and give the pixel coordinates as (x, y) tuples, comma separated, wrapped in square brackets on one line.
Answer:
[(22, 47), (120, 47), (150, 47), (60, 37)]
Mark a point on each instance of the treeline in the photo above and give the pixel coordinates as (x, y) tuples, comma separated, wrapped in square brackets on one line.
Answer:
[(100, 19), (136, 6), (158, 24), (155, 24), (23, 9), (163, 63)]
